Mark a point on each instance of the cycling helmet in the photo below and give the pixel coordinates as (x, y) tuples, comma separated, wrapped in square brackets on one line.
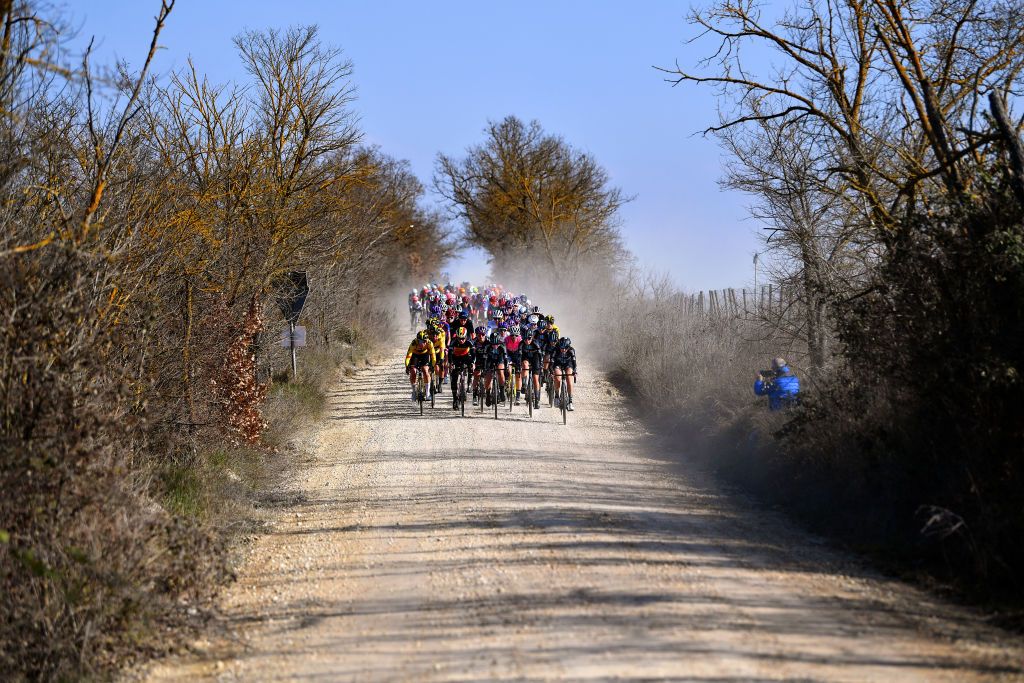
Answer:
[(542, 324), (435, 310), (421, 336), (499, 314), (564, 343), (496, 337), (450, 314), (415, 299), (444, 308), (515, 330), (551, 319), (529, 333), (481, 330), (533, 318), (461, 333), (465, 299)]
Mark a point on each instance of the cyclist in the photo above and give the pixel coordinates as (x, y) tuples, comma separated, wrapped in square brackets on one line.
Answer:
[(533, 356), (436, 335), (497, 318), (562, 359), (513, 342), (494, 366), (462, 320), (421, 354), (479, 358), (415, 310), (548, 339), (462, 357)]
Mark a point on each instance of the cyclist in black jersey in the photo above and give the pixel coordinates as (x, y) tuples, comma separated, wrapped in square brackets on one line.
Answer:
[(461, 354), (494, 366), (563, 362), (533, 357), (479, 359)]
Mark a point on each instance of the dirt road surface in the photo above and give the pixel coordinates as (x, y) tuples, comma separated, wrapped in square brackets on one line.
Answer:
[(441, 548)]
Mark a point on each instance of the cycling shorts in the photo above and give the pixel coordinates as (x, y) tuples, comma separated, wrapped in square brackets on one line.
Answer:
[(419, 360), (533, 362)]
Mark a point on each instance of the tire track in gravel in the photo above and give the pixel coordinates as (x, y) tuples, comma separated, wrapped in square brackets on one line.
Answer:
[(456, 549)]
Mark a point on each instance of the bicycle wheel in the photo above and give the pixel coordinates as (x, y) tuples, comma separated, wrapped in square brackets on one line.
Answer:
[(420, 386), (563, 401), (462, 393), (433, 392), (494, 388), (529, 394), (510, 390)]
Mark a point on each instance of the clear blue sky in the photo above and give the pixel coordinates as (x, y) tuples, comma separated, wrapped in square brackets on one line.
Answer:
[(430, 75)]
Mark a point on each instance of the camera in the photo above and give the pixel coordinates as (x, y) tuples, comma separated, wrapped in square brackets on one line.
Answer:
[(768, 375)]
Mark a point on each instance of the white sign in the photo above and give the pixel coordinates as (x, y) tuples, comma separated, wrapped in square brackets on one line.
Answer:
[(299, 339)]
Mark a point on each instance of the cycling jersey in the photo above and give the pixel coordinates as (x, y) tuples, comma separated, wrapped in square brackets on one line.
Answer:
[(439, 341), (462, 350), (564, 358), (496, 355), (479, 352), (532, 353), (420, 352), (462, 322), (512, 343)]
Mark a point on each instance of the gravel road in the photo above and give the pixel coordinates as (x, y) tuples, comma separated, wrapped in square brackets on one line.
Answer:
[(463, 549)]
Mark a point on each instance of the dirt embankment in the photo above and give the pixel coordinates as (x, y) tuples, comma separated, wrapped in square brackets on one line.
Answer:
[(448, 548)]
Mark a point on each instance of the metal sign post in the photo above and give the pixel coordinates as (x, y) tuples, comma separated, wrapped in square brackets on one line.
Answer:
[(293, 289), (291, 345)]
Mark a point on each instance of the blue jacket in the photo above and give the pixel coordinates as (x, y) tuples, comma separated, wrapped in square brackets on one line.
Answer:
[(781, 391)]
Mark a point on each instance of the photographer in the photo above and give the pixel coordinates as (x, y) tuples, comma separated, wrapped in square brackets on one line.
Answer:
[(779, 384)]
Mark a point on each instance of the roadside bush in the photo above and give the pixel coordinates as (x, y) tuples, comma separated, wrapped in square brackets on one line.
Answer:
[(88, 560)]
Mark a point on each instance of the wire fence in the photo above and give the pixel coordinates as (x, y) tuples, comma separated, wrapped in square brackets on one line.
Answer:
[(767, 302)]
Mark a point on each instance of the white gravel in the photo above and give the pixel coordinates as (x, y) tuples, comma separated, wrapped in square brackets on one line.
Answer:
[(450, 549)]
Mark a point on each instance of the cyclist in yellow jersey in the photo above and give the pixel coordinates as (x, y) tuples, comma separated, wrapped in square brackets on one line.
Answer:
[(436, 335), (421, 354)]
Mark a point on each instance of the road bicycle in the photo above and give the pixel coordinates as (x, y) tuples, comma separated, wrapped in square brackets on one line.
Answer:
[(492, 392), (528, 390), (435, 383), (415, 318), (421, 388), (510, 385), (549, 386), (459, 387), (495, 392), (478, 389)]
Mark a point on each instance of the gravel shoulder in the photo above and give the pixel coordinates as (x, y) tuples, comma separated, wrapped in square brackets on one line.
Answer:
[(441, 548)]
